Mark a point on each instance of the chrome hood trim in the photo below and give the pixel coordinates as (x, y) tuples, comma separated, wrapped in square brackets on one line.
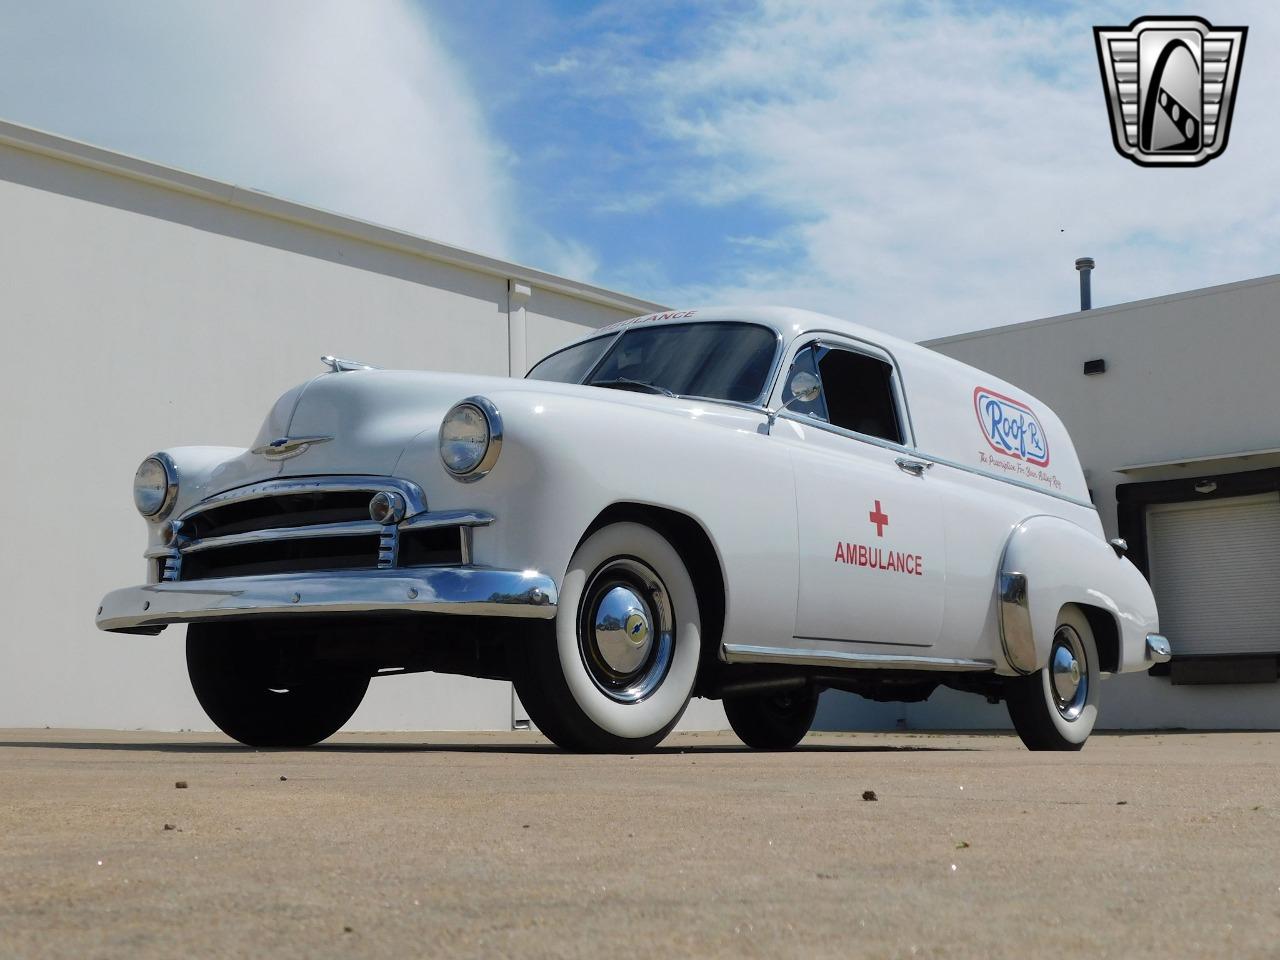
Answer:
[(339, 365), (286, 447)]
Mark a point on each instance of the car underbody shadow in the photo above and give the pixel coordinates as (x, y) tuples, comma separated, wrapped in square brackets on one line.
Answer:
[(438, 747)]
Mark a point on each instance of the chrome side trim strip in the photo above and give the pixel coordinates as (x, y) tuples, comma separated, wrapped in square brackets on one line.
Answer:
[(1024, 484), (415, 499), (351, 528), (1159, 650), (942, 461), (475, 591), (749, 653)]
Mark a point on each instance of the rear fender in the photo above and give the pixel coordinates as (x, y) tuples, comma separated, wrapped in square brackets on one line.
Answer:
[(1050, 562)]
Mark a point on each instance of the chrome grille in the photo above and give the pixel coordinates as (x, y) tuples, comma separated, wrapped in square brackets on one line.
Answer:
[(286, 509), (309, 524)]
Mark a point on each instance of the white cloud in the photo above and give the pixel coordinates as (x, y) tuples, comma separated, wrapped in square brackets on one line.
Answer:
[(358, 108), (630, 201), (770, 244), (565, 64), (942, 171), (567, 257)]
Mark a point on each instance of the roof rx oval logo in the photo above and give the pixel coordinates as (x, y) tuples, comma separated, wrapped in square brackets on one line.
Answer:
[(1011, 427), (1170, 84)]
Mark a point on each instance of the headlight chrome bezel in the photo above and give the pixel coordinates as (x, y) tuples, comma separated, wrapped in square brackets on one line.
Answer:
[(170, 490), (493, 447)]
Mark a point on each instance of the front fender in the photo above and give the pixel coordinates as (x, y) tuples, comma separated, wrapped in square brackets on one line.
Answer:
[(569, 455), (204, 470), (1049, 562)]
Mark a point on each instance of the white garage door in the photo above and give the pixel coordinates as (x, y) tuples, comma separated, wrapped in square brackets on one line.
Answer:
[(1215, 570)]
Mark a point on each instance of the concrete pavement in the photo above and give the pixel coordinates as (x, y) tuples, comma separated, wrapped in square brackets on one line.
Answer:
[(465, 845)]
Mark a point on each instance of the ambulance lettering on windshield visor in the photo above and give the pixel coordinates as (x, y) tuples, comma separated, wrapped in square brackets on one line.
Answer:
[(1011, 428)]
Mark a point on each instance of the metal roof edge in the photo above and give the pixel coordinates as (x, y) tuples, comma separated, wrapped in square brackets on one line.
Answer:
[(1101, 311), (1198, 459), (83, 154)]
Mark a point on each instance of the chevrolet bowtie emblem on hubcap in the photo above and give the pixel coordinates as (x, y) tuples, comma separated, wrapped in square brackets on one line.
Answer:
[(1170, 84), (286, 447)]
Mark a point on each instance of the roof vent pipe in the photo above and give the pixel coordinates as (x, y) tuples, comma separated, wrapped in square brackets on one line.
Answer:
[(1085, 266)]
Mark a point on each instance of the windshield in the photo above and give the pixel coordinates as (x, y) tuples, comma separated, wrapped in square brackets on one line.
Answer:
[(717, 360)]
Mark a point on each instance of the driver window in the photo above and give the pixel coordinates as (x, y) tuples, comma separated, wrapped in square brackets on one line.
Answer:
[(858, 391)]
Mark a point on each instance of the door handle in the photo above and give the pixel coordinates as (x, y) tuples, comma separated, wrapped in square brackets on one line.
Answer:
[(914, 467)]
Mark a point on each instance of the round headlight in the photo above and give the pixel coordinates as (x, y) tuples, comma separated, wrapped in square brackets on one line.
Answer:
[(470, 438), (155, 487)]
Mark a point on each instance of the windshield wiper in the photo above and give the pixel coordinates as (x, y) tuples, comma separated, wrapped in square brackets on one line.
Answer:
[(626, 383)]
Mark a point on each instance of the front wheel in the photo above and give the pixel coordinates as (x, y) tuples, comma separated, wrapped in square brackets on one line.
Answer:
[(1055, 707), (772, 721), (616, 671), (264, 690)]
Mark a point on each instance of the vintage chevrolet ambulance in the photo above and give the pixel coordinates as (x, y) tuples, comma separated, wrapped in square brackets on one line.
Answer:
[(747, 504)]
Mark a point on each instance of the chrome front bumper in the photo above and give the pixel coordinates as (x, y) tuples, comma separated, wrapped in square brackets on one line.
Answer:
[(476, 591)]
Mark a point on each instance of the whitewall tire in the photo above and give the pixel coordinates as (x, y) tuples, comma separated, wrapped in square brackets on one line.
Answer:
[(617, 671), (1056, 707)]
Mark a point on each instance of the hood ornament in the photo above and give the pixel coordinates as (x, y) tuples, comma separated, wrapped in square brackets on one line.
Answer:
[(338, 365), (286, 447)]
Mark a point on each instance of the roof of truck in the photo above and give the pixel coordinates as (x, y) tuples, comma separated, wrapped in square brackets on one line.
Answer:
[(788, 321), (945, 399)]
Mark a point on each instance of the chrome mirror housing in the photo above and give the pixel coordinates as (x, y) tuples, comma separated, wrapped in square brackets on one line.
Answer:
[(805, 387)]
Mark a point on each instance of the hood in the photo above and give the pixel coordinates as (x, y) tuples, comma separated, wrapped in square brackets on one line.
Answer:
[(364, 420)]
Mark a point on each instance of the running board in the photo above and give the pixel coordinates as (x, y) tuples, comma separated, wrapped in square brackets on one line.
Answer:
[(748, 653)]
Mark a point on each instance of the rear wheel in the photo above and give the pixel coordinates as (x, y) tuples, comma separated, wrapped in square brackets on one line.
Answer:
[(265, 690), (615, 672), (1055, 708), (772, 721)]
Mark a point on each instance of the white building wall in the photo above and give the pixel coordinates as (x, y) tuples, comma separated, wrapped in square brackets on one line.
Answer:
[(1188, 376), (143, 308)]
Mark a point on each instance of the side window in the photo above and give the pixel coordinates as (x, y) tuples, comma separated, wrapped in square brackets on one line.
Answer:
[(858, 391), (806, 361)]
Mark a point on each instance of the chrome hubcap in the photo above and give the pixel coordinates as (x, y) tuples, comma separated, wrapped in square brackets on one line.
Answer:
[(622, 629), (1068, 673), (625, 631)]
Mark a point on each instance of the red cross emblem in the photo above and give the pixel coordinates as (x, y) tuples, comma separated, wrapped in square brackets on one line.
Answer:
[(880, 519)]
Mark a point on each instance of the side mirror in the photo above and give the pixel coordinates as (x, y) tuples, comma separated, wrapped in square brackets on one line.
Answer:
[(805, 388)]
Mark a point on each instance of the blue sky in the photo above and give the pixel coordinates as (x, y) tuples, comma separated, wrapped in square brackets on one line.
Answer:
[(921, 167)]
